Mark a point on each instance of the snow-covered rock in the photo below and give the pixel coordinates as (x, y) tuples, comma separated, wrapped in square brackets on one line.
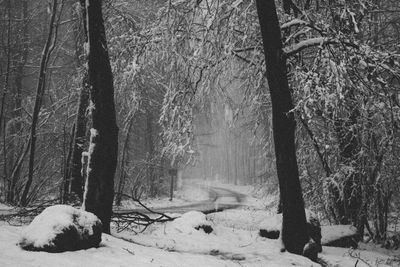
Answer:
[(271, 226), (61, 228), (339, 236), (191, 221)]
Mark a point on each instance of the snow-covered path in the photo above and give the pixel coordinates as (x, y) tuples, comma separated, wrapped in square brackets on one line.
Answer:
[(219, 199)]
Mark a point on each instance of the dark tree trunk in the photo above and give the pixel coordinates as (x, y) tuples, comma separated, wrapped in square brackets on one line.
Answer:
[(294, 230), (102, 159)]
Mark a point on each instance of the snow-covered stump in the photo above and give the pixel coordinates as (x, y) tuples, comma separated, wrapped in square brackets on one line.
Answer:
[(62, 228)]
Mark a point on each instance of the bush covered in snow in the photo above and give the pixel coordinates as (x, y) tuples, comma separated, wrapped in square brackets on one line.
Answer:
[(62, 228)]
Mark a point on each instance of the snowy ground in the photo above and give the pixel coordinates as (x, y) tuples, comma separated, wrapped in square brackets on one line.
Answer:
[(233, 242)]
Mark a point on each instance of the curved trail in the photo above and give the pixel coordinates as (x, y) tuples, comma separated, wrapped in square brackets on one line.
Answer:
[(219, 199)]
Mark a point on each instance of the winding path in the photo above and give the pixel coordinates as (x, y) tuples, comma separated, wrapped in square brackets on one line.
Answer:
[(219, 199)]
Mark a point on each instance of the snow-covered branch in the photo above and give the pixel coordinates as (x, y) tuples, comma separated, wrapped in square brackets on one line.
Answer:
[(317, 41), (294, 22)]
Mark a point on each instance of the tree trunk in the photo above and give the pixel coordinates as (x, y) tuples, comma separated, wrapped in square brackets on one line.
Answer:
[(76, 178), (16, 128), (124, 159), (64, 189), (294, 230), (5, 91), (48, 48), (150, 147), (103, 148)]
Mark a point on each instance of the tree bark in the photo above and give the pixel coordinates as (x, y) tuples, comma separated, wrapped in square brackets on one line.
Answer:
[(103, 148), (294, 230)]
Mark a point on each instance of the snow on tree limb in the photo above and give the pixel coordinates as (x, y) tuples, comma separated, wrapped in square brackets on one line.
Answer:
[(294, 22), (317, 41)]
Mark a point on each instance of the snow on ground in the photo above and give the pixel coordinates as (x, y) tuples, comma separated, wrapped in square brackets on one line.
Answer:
[(112, 252), (345, 257), (192, 249), (370, 254), (234, 241), (245, 218), (232, 244)]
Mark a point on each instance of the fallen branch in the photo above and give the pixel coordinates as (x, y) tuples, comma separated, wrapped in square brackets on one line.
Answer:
[(134, 219)]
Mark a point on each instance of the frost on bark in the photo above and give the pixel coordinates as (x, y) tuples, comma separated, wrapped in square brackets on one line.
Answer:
[(294, 228), (102, 156)]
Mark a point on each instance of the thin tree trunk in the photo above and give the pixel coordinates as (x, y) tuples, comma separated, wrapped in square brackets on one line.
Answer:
[(294, 230), (76, 177), (103, 148), (150, 147), (48, 48), (125, 154), (17, 112), (5, 90), (65, 187), (80, 133), (8, 68)]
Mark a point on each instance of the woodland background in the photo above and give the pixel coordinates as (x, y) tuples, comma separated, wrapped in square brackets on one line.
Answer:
[(191, 94)]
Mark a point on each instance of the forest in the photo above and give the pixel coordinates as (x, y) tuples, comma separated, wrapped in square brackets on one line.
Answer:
[(200, 132)]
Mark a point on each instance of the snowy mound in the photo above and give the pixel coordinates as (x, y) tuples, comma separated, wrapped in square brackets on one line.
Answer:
[(192, 221), (339, 236), (62, 228)]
